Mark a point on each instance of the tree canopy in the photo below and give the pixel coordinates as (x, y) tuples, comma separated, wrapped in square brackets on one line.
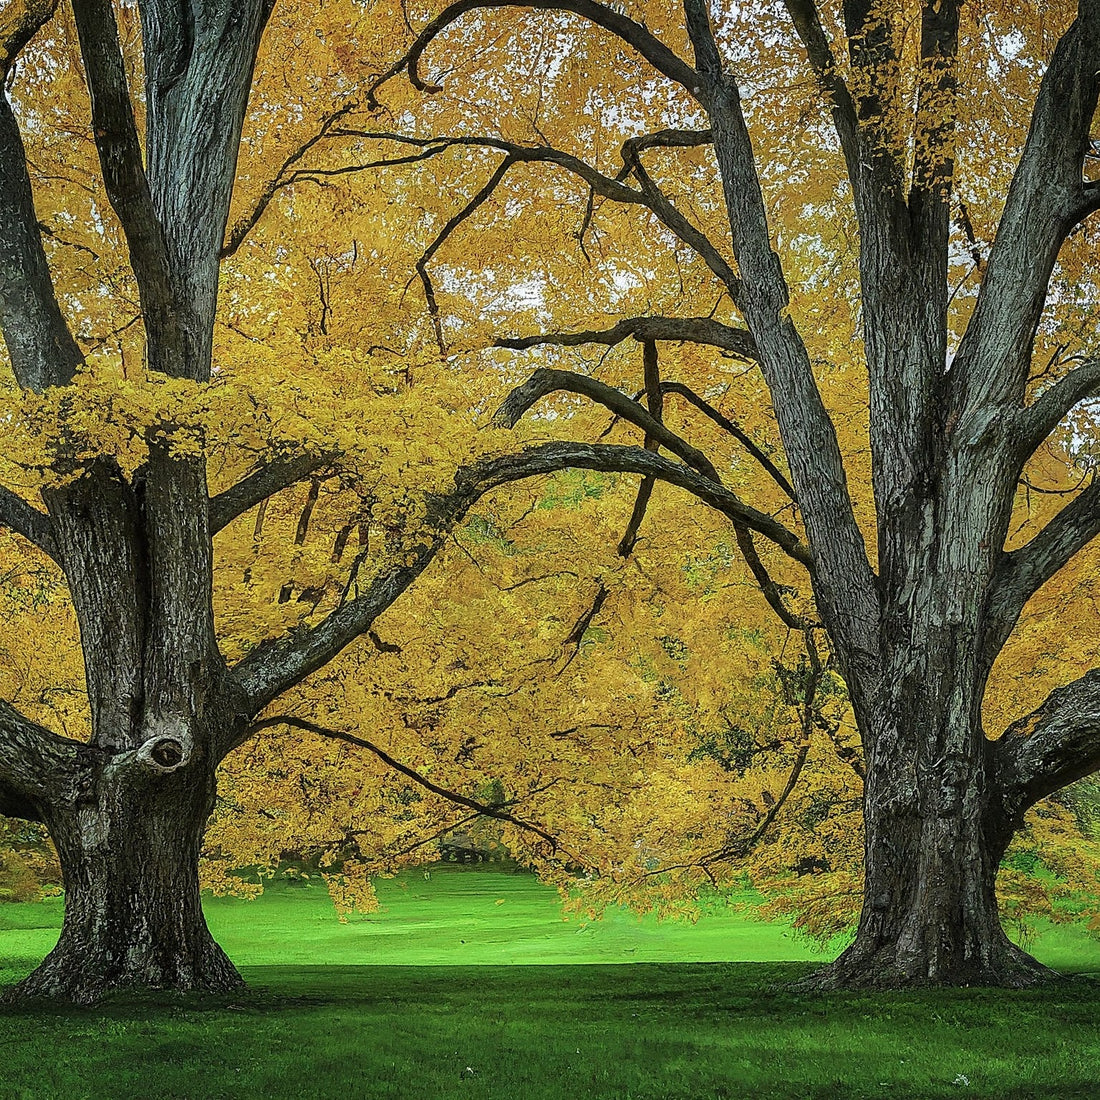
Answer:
[(818, 276)]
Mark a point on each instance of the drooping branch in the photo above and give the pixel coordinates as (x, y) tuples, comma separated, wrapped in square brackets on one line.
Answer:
[(546, 381), (120, 156), (37, 767), (1051, 747), (279, 663), (24, 519), (498, 812), (259, 485), (634, 34)]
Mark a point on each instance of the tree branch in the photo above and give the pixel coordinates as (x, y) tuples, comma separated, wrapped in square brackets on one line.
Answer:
[(655, 404), (38, 769), (807, 23), (634, 34), (482, 808), (248, 221), (1044, 202), (696, 330), (24, 519), (1023, 571), (452, 224), (19, 23), (279, 663), (265, 482), (844, 583), (1051, 747), (41, 348), (120, 158), (1035, 422), (545, 381), (729, 426)]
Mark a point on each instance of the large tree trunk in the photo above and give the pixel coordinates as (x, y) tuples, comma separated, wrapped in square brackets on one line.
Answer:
[(129, 853), (930, 916)]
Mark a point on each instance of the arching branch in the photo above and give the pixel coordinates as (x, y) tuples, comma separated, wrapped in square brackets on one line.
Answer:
[(545, 381), (279, 663), (634, 34)]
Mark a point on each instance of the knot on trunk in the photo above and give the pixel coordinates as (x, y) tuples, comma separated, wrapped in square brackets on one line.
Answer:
[(168, 749)]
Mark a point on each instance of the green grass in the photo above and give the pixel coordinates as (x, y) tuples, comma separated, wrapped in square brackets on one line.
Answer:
[(424, 1000)]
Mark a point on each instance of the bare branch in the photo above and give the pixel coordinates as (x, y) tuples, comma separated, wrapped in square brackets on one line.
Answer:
[(1046, 412), (807, 23), (452, 224), (707, 58), (632, 33), (259, 485), (487, 810), (26, 520), (696, 330)]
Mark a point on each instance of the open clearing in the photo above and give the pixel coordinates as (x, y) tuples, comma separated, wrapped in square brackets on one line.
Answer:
[(425, 1000)]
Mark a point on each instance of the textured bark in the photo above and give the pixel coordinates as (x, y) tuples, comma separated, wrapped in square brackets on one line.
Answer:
[(129, 851)]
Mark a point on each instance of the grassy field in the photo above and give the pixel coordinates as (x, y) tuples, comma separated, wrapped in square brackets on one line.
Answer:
[(425, 1000)]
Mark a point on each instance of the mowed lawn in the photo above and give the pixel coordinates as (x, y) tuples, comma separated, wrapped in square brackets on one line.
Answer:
[(425, 1000)]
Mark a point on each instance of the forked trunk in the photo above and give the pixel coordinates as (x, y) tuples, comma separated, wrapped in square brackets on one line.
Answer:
[(133, 918)]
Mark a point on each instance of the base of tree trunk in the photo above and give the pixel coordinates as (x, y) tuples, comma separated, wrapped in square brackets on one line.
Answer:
[(878, 968), (81, 977)]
